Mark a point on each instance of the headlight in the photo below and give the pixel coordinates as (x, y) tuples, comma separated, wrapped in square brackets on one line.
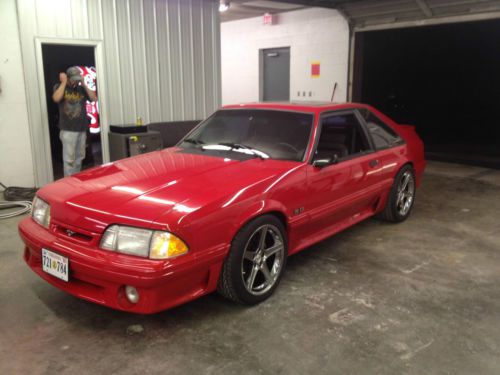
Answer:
[(40, 212), (142, 242)]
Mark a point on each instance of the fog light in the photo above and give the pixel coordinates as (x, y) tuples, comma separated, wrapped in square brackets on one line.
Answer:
[(132, 294)]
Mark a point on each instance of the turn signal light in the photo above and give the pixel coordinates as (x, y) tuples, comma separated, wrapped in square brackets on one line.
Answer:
[(166, 245)]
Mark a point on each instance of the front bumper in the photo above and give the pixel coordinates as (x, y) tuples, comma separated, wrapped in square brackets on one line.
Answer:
[(100, 276)]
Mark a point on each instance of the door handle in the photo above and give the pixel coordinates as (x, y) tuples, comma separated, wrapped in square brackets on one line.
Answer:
[(373, 163)]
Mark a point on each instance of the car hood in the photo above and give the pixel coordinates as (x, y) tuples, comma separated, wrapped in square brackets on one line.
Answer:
[(139, 190)]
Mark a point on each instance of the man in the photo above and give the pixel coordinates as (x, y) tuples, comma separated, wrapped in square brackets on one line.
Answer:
[(71, 94)]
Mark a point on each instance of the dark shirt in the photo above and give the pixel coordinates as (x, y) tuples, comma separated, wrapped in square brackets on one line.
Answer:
[(72, 109)]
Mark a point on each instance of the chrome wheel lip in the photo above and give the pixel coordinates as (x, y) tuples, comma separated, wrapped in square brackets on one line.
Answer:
[(263, 263), (405, 194)]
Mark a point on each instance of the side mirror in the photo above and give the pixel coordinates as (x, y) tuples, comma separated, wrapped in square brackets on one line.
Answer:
[(321, 163)]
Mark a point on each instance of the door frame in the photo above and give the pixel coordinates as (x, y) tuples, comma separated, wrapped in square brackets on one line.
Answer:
[(42, 157)]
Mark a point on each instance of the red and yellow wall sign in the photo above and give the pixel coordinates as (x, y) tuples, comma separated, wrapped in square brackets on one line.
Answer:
[(315, 69)]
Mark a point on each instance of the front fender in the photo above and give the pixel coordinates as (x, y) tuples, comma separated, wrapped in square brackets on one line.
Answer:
[(259, 208)]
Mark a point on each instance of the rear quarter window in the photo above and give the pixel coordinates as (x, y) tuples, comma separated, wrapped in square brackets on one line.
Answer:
[(383, 135)]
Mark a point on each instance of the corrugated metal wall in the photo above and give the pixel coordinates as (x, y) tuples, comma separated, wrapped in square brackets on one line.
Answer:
[(161, 57)]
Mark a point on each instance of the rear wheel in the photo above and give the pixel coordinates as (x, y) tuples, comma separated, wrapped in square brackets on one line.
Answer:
[(256, 261), (401, 197)]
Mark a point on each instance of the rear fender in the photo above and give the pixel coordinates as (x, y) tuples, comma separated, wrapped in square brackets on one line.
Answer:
[(415, 150)]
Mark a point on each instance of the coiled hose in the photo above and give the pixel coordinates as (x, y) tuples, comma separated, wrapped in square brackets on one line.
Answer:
[(16, 197), (25, 207)]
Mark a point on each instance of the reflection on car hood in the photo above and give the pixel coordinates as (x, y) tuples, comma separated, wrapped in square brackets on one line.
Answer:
[(138, 190)]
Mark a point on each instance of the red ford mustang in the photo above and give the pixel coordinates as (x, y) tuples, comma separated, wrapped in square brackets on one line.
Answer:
[(248, 187)]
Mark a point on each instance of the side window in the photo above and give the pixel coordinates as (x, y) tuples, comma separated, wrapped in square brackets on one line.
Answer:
[(341, 135), (383, 136)]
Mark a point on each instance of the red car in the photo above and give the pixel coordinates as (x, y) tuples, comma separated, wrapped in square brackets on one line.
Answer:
[(248, 187)]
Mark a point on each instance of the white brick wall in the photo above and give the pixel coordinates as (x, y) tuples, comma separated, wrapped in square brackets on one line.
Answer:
[(313, 34)]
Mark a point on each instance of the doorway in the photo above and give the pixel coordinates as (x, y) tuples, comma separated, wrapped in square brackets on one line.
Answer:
[(443, 79), (275, 74), (58, 58)]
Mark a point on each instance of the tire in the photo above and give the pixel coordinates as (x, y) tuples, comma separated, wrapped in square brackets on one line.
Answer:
[(401, 197), (254, 266)]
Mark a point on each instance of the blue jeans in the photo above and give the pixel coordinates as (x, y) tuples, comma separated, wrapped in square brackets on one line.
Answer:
[(73, 150)]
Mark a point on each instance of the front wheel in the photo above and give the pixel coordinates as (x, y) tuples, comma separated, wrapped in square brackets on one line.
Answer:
[(401, 197), (256, 261)]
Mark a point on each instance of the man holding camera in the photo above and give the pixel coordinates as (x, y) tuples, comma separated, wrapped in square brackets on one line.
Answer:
[(71, 94)]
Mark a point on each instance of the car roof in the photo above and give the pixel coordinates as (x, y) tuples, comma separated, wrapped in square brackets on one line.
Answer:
[(295, 106)]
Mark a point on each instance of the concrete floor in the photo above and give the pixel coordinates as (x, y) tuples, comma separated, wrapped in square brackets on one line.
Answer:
[(422, 297)]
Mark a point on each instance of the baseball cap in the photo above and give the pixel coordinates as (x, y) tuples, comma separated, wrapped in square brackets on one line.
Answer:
[(74, 74)]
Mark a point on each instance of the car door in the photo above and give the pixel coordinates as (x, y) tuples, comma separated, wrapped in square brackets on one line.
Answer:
[(342, 191)]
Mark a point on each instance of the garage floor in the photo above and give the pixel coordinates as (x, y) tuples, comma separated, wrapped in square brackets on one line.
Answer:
[(422, 297)]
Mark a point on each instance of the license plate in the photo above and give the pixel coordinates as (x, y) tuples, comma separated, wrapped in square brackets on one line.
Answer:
[(55, 264)]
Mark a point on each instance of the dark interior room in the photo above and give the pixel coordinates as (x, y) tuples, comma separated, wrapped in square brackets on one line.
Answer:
[(443, 79), (56, 59)]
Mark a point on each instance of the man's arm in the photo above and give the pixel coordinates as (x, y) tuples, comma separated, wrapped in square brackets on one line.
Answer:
[(59, 93), (91, 94)]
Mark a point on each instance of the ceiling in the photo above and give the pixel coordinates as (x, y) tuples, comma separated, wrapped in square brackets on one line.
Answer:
[(240, 9), (363, 13)]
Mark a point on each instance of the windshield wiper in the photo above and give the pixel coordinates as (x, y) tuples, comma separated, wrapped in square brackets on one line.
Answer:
[(235, 145), (253, 151), (194, 141)]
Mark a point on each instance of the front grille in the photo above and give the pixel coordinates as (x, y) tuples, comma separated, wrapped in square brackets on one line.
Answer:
[(72, 234)]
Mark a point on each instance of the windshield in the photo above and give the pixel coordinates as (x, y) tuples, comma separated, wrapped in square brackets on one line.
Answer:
[(255, 132)]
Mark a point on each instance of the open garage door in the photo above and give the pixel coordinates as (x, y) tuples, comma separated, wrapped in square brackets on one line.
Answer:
[(433, 64), (443, 79), (382, 14)]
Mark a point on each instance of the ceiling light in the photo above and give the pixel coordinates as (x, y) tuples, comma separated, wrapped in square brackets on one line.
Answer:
[(272, 5), (223, 5)]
